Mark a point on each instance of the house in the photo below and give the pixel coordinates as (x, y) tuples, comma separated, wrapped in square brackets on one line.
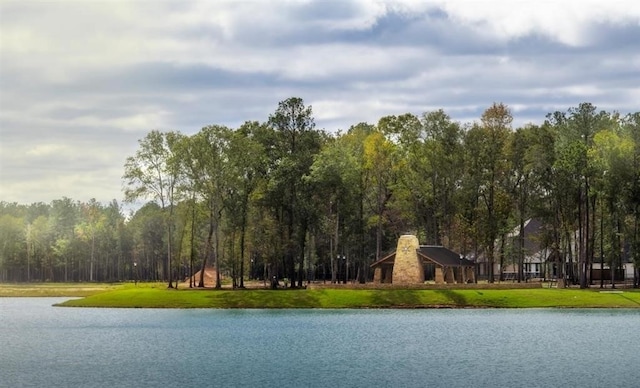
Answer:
[(542, 261), (623, 270), (535, 256), (537, 259), (413, 263)]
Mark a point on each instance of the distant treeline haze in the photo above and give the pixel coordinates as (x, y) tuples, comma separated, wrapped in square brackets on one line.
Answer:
[(282, 198)]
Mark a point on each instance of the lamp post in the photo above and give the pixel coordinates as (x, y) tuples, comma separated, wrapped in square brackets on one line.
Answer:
[(340, 266), (601, 244), (346, 269), (135, 273)]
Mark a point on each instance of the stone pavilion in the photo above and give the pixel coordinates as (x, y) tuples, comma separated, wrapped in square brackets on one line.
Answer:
[(413, 263)]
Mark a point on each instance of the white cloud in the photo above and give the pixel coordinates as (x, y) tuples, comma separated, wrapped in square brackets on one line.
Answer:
[(567, 21)]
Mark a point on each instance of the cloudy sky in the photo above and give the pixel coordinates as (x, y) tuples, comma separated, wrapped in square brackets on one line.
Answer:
[(82, 81)]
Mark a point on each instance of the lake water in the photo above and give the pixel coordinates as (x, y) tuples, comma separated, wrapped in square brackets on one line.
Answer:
[(45, 346)]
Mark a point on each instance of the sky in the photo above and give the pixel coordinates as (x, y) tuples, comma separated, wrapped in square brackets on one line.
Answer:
[(82, 81)]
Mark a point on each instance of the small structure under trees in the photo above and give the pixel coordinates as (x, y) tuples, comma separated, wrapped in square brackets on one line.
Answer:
[(413, 263)]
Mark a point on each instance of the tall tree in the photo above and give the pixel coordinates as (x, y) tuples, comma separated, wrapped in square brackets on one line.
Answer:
[(246, 158), (152, 174), (12, 240), (93, 221), (575, 138), (336, 176), (147, 227), (296, 143), (493, 169), (524, 155), (210, 156), (433, 168), (631, 131), (63, 219), (379, 164)]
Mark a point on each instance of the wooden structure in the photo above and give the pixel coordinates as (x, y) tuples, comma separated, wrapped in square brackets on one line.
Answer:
[(412, 263)]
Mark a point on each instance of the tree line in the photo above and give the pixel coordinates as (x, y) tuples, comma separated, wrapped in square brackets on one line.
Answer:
[(283, 199)]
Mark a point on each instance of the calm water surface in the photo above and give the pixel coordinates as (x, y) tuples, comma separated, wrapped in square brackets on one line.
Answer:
[(45, 346)]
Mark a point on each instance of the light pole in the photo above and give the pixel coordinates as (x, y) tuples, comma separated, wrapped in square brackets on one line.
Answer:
[(135, 273), (346, 269), (601, 244)]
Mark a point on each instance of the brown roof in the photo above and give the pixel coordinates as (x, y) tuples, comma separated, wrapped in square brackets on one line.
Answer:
[(389, 258)]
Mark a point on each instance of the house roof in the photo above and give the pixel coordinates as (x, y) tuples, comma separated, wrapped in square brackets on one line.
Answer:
[(534, 250), (387, 259), (533, 231), (443, 256), (437, 254)]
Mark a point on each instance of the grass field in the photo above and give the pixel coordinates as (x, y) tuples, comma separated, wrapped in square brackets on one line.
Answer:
[(156, 295)]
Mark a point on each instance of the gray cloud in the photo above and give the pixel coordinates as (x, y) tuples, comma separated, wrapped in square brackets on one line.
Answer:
[(80, 83)]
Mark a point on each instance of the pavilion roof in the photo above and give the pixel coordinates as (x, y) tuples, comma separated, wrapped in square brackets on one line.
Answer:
[(437, 254)]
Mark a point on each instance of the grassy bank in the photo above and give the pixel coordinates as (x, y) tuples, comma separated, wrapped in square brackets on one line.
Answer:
[(159, 297)]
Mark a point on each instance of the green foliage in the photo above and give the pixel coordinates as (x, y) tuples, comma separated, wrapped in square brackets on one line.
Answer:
[(61, 242), (431, 166), (281, 198), (288, 195)]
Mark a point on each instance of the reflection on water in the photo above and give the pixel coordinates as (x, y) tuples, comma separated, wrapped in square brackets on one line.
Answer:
[(47, 346)]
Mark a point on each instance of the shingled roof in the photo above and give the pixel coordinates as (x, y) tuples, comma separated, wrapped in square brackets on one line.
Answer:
[(443, 256), (438, 254)]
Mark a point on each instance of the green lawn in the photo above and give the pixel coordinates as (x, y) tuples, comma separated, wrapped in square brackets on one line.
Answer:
[(158, 296)]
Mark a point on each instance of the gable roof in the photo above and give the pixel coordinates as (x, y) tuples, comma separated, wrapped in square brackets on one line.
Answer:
[(533, 231), (443, 256), (435, 253), (534, 249), (387, 259)]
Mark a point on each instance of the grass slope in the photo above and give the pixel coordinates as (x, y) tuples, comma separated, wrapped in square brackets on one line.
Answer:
[(160, 297)]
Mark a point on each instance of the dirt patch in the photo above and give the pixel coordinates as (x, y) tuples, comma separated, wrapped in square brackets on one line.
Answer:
[(209, 277)]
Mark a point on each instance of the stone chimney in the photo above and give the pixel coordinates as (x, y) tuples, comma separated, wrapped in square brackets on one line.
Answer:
[(407, 268)]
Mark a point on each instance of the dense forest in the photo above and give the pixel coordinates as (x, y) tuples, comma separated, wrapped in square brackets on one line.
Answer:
[(282, 198)]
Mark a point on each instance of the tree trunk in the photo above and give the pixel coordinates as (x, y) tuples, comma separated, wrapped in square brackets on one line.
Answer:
[(242, 236), (216, 251), (93, 250), (581, 241), (490, 261), (334, 249), (192, 250), (521, 236), (502, 243), (301, 257), (208, 248), (169, 245)]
